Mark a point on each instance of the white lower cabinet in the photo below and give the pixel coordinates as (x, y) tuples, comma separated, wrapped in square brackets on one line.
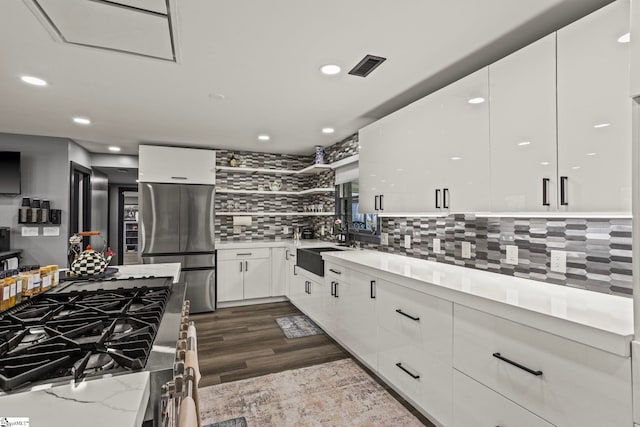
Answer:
[(243, 274), (562, 381), (360, 318), (279, 272), (475, 405)]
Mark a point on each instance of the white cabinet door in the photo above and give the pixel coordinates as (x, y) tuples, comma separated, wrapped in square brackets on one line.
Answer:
[(462, 150), (594, 112), (257, 278), (176, 165), (279, 272), (523, 129), (375, 156), (230, 280), (360, 318)]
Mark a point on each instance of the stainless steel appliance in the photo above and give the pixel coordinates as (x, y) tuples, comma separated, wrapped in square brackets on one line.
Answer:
[(177, 226)]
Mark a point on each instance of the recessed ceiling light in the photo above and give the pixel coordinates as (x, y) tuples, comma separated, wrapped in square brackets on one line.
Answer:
[(264, 137), (591, 154), (544, 163), (456, 158), (625, 38), (330, 69), (478, 100), (523, 143), (36, 81), (114, 148), (602, 125), (137, 180), (81, 121), (328, 130)]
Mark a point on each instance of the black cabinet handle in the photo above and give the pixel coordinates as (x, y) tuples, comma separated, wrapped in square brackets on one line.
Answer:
[(407, 315), (445, 203), (517, 365), (333, 293), (335, 271), (437, 198), (381, 199), (373, 289), (244, 254), (246, 266), (375, 203), (563, 191), (179, 177), (240, 266), (411, 374), (545, 189), (335, 290)]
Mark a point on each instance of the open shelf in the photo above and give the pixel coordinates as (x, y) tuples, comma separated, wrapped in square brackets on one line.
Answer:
[(275, 193), (313, 169), (275, 213)]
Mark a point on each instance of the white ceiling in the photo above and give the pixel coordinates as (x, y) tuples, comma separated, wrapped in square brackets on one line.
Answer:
[(264, 58)]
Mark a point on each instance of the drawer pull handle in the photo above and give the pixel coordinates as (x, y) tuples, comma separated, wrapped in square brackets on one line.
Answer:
[(335, 271), (245, 254), (517, 365), (411, 374), (178, 177), (417, 319)]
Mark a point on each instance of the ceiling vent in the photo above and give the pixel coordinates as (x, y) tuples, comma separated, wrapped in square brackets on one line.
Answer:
[(367, 65)]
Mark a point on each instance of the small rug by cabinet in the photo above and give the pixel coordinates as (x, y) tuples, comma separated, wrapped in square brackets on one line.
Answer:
[(337, 393), (298, 326)]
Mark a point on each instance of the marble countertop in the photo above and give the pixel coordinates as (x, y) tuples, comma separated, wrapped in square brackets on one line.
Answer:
[(599, 320), (119, 400)]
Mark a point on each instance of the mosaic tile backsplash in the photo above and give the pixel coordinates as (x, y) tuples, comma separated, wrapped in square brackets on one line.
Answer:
[(598, 249)]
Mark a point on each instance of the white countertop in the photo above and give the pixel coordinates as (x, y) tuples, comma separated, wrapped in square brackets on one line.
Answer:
[(288, 243), (120, 400), (599, 320), (145, 270)]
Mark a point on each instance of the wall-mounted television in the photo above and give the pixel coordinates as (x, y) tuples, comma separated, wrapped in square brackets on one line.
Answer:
[(10, 173)]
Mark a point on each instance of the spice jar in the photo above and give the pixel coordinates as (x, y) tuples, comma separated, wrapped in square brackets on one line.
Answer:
[(27, 281), (54, 272), (5, 292), (45, 279), (15, 274), (37, 283), (10, 283)]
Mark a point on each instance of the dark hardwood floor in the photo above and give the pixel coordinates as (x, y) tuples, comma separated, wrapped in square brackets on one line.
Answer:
[(244, 342)]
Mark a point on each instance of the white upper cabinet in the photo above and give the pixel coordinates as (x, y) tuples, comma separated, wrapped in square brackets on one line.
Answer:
[(176, 165), (594, 113), (634, 46), (523, 129), (431, 156)]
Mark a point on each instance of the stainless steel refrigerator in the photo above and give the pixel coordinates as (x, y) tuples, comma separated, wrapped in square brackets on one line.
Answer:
[(177, 226)]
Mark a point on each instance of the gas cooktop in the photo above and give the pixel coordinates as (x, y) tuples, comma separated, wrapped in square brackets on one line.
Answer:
[(104, 328)]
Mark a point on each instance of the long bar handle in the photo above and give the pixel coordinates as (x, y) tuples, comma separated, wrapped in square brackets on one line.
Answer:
[(445, 203), (246, 266), (375, 203), (408, 372), (245, 254), (178, 177), (240, 266), (417, 319), (373, 289), (335, 292), (517, 365), (437, 198), (381, 199), (545, 191), (564, 191), (335, 271)]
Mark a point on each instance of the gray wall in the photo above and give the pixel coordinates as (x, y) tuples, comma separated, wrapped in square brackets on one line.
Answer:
[(45, 175), (99, 207)]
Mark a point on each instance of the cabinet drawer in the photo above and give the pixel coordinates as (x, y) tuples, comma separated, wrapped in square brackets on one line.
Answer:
[(424, 379), (424, 320), (239, 254), (475, 405), (568, 383), (336, 273)]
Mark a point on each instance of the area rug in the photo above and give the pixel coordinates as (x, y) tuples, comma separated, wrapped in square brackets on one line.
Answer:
[(298, 326), (337, 393)]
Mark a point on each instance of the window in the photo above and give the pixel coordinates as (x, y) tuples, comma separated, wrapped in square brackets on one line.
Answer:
[(347, 202)]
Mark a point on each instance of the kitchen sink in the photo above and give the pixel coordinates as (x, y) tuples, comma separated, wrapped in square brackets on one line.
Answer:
[(310, 259)]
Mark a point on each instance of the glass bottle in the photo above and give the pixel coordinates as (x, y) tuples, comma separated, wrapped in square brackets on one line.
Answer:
[(5, 291)]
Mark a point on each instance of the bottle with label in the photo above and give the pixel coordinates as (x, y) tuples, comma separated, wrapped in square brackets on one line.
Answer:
[(10, 283), (27, 281), (5, 292), (45, 279), (54, 272), (15, 274), (37, 283), (25, 211)]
